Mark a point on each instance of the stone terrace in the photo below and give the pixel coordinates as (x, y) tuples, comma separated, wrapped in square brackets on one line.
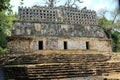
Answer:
[(58, 66)]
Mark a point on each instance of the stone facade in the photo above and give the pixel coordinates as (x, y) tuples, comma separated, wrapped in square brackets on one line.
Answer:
[(58, 28), (55, 43)]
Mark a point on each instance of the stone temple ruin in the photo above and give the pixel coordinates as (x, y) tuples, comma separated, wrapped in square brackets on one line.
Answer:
[(58, 28), (56, 43)]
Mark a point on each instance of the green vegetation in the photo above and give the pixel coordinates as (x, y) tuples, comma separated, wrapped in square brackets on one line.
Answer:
[(116, 41), (6, 18), (4, 5), (111, 27)]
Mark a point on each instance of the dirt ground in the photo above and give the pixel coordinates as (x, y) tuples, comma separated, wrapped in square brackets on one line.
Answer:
[(112, 76)]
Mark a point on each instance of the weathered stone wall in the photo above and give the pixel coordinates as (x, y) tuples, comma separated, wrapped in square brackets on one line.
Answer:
[(20, 46), (55, 43), (57, 30), (80, 43), (104, 45)]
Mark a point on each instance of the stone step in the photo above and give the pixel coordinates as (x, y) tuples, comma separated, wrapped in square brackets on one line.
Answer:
[(58, 71), (53, 77), (53, 58), (56, 68), (59, 75)]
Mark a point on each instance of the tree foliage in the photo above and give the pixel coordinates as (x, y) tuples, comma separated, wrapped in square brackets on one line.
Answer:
[(111, 27), (21, 2), (3, 27), (116, 41), (70, 3), (3, 41), (4, 4), (5, 22), (104, 22)]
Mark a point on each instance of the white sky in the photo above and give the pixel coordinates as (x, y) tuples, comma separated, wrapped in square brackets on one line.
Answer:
[(90, 4)]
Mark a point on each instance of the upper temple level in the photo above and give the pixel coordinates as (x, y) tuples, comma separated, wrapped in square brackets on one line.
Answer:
[(57, 22), (60, 14)]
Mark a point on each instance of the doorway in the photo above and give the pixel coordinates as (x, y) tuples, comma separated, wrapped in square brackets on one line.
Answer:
[(65, 44), (40, 45), (87, 46)]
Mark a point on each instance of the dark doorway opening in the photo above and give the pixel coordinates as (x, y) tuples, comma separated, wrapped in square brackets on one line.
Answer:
[(87, 45), (65, 44), (40, 45)]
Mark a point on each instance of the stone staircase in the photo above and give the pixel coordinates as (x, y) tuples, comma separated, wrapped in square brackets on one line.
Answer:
[(52, 58), (59, 70), (15, 73), (58, 66)]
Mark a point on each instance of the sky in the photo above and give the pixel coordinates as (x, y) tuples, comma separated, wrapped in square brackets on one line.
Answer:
[(90, 4)]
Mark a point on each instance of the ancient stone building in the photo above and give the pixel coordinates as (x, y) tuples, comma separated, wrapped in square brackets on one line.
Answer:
[(63, 42), (58, 28)]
